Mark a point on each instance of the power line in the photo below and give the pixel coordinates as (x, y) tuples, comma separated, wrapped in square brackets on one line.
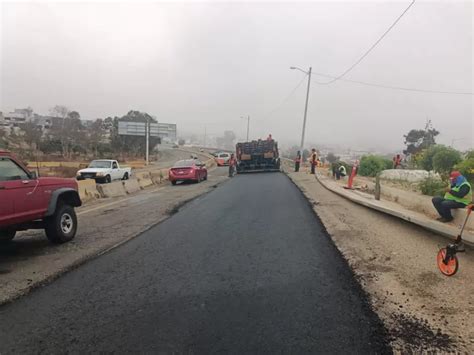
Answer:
[(371, 47), (284, 100), (394, 87)]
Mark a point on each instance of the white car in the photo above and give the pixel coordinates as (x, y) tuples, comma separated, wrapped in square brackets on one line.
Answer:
[(104, 171), (222, 158)]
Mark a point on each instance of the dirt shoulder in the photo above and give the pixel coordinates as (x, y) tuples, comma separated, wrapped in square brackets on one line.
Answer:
[(30, 260), (395, 262)]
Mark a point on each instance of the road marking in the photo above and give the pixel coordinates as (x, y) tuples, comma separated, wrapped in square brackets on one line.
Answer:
[(101, 207)]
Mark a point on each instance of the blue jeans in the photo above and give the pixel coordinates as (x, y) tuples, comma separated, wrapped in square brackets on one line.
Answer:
[(444, 207)]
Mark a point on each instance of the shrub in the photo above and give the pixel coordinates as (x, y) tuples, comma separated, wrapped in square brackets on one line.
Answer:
[(466, 167), (432, 187), (439, 158), (371, 165), (445, 160)]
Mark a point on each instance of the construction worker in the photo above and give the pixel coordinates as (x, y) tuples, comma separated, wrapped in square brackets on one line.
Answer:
[(397, 160), (458, 195), (313, 160), (232, 165), (342, 172), (297, 161)]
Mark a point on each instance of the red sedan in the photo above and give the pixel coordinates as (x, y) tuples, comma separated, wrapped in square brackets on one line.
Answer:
[(188, 170)]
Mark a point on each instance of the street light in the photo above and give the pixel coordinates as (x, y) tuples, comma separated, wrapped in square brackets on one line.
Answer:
[(306, 104), (248, 125)]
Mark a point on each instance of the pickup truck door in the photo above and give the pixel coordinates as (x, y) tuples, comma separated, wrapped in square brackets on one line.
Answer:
[(17, 192), (115, 174)]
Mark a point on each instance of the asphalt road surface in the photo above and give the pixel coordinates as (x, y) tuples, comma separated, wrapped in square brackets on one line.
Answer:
[(246, 268)]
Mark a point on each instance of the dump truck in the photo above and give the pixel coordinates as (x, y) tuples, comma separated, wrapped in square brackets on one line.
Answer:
[(257, 156)]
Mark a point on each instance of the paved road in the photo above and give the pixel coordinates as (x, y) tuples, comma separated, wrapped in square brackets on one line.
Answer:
[(244, 269)]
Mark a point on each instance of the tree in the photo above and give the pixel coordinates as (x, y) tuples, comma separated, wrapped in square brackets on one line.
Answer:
[(32, 134), (445, 160), (418, 139), (466, 167), (3, 139), (332, 158), (57, 130), (426, 157), (94, 136)]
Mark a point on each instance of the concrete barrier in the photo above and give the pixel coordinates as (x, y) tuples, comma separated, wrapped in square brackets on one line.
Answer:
[(114, 189), (159, 176), (87, 190), (144, 179), (131, 186), (413, 176)]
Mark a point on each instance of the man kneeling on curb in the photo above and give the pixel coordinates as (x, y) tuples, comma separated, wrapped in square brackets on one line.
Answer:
[(458, 195)]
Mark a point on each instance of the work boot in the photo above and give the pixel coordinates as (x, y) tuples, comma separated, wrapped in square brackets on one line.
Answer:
[(444, 220), (460, 247)]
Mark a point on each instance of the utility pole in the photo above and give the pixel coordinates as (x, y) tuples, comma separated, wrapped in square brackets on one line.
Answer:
[(147, 139), (305, 111), (248, 127), (205, 134)]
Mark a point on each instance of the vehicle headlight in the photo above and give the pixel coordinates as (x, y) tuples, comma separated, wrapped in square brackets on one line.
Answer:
[(100, 174)]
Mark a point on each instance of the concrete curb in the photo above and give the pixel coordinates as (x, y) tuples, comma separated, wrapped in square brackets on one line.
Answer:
[(448, 231), (437, 227)]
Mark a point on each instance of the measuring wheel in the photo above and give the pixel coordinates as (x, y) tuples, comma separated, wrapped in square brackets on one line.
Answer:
[(447, 260)]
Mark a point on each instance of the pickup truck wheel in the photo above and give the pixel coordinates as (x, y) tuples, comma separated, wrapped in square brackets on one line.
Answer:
[(173, 183), (7, 235), (62, 226), (108, 179), (125, 176)]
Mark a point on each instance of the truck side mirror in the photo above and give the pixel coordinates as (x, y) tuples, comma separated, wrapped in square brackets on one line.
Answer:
[(33, 175)]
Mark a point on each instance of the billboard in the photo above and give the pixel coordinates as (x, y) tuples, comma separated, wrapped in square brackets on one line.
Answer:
[(162, 130)]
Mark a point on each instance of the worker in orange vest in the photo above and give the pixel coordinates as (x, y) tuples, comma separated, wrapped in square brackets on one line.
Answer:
[(313, 160), (232, 165), (297, 161)]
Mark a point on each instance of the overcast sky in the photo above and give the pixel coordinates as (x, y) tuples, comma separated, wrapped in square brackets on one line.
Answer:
[(206, 64)]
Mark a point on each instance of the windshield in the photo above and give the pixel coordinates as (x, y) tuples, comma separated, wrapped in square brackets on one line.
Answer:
[(100, 164), (184, 164)]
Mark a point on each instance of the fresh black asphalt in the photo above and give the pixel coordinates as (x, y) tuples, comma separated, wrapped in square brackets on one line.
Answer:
[(247, 268)]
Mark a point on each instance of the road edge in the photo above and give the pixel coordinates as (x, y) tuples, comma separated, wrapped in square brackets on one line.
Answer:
[(385, 333)]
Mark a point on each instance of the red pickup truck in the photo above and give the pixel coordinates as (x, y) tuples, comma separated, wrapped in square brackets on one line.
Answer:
[(30, 202)]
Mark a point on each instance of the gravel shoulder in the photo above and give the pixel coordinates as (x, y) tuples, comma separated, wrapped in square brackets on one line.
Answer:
[(395, 262), (30, 260)]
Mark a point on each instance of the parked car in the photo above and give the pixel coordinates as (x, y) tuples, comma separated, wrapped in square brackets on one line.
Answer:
[(222, 159), (104, 171), (188, 170), (30, 202)]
